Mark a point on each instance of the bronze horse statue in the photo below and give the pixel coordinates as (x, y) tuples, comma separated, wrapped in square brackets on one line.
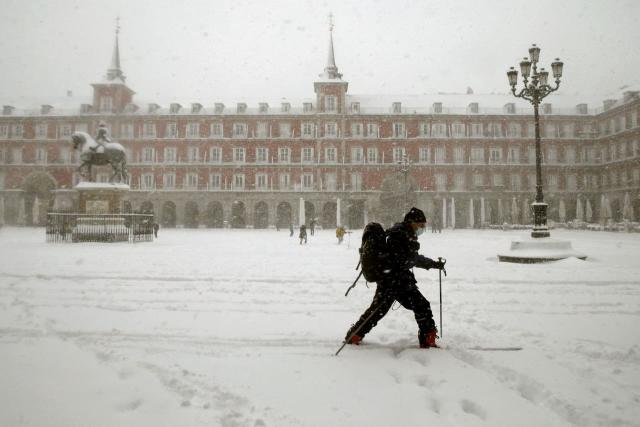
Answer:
[(92, 153)]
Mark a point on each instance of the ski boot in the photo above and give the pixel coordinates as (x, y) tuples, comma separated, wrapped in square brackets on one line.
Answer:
[(428, 339), (355, 340)]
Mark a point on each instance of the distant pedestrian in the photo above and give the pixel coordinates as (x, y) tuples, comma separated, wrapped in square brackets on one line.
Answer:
[(290, 229), (303, 233), (156, 227), (340, 231), (312, 226)]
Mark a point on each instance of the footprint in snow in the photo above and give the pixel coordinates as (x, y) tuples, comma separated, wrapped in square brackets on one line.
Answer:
[(473, 408)]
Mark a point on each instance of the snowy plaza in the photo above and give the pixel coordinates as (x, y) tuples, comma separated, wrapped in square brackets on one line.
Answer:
[(240, 327)]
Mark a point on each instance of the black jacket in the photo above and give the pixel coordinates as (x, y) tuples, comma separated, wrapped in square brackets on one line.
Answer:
[(402, 247)]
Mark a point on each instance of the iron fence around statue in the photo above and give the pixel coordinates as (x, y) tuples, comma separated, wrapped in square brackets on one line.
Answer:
[(76, 227)]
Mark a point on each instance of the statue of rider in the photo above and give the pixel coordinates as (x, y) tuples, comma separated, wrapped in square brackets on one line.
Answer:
[(102, 137)]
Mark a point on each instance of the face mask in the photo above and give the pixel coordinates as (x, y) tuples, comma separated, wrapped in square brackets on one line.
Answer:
[(419, 231)]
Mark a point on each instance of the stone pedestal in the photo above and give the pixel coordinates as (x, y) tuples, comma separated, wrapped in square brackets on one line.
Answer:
[(100, 198), (536, 250)]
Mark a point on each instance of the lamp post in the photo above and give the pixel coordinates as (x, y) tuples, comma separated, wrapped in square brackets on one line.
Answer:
[(535, 89)]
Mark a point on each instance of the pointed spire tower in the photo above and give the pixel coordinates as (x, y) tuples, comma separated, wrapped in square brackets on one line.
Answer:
[(112, 94), (330, 88)]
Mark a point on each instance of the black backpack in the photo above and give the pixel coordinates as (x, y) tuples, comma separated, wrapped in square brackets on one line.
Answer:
[(373, 252)]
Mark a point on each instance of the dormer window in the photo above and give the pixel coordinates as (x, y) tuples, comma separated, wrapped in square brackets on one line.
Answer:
[(355, 107), (285, 107), (129, 108), (46, 109), (510, 108), (582, 109), (195, 108), (396, 107), (546, 109), (174, 108), (7, 110), (218, 108), (473, 108), (153, 108), (241, 108), (437, 107), (263, 107), (307, 107), (330, 103)]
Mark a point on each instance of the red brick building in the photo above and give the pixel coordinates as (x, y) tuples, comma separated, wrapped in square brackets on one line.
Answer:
[(466, 159)]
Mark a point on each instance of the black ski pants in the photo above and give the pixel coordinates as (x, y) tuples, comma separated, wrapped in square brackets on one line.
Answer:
[(407, 294)]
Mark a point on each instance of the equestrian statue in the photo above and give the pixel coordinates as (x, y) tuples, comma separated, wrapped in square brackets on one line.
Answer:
[(100, 151)]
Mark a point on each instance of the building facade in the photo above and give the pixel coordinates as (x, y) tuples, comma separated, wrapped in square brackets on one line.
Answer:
[(467, 160)]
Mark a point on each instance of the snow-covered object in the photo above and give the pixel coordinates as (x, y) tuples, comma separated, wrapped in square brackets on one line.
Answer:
[(514, 211), (536, 250), (589, 211), (579, 210), (562, 211), (627, 209)]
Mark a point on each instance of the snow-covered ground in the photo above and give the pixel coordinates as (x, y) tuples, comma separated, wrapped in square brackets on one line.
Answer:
[(240, 327)]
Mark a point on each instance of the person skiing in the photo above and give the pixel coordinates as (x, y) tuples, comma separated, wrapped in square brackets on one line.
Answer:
[(303, 233), (102, 137), (399, 283), (340, 233)]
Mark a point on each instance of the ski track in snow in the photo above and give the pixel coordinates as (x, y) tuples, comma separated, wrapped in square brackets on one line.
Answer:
[(246, 350)]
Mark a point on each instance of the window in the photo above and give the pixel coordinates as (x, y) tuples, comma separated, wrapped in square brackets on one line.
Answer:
[(307, 107), (193, 154), (16, 155), (217, 130), (215, 155), (550, 130), (238, 155), (330, 130), (331, 182), (495, 155), (477, 155), (261, 181), (355, 107), (169, 180), (283, 181), (171, 131), (147, 155), (307, 154), (478, 180), (215, 181), (170, 154), (191, 180), (356, 155), (531, 130), (439, 130), (239, 130), (146, 181), (356, 129), (572, 182), (424, 154), (570, 155), (398, 130), (372, 155), (552, 155), (41, 155), (330, 155), (514, 130), (41, 130), (423, 129), (262, 130), (262, 155), (65, 155), (568, 130), (285, 130), (458, 130), (476, 130), (458, 155), (532, 155), (497, 180), (307, 130), (398, 154), (126, 130), (516, 182), (553, 182), (307, 181), (3, 157), (356, 181), (396, 107), (283, 154), (2, 181), (439, 155), (193, 130), (495, 130), (4, 131), (64, 131), (330, 103), (149, 130), (285, 107), (441, 182), (458, 181), (372, 130), (18, 131), (513, 155), (106, 103)]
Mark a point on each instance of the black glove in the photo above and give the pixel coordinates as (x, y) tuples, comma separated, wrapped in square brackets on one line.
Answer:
[(438, 264)]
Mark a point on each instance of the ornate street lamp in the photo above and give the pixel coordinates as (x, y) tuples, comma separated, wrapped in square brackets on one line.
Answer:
[(535, 89)]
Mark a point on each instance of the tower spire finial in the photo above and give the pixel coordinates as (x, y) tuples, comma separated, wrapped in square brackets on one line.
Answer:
[(331, 70), (115, 72)]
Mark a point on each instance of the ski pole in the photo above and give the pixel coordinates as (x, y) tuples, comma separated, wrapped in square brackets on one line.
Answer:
[(354, 284), (354, 333), (440, 280)]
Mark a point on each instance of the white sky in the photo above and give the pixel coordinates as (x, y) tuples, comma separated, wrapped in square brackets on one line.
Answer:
[(208, 50)]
